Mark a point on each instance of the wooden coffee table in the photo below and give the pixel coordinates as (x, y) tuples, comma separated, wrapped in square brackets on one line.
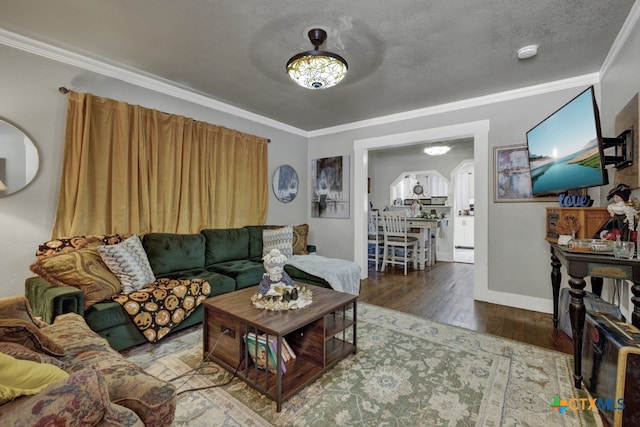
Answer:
[(318, 334)]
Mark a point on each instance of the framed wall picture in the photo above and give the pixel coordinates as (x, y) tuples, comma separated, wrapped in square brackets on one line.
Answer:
[(285, 183), (512, 177), (330, 187)]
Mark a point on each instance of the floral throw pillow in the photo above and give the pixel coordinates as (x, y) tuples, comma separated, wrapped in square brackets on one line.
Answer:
[(21, 352), (28, 335), (129, 263)]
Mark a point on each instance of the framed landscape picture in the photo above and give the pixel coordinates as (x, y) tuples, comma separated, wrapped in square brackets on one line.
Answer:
[(512, 177)]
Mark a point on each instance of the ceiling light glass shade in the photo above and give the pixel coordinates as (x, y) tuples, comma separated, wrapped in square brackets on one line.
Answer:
[(317, 69), (437, 150)]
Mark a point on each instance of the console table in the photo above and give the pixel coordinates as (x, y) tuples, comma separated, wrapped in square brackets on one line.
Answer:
[(426, 255), (597, 266)]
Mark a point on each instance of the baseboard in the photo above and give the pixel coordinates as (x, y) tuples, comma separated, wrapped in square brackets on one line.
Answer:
[(444, 256), (514, 300)]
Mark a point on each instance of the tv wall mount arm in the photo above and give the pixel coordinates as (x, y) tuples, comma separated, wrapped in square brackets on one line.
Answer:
[(623, 145)]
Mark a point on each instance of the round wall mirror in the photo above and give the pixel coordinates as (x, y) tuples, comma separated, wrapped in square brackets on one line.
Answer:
[(285, 183), (18, 159)]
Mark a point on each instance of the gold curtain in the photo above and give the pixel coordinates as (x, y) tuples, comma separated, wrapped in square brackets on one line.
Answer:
[(129, 169)]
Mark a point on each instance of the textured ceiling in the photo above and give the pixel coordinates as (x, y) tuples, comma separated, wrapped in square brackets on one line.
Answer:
[(402, 54)]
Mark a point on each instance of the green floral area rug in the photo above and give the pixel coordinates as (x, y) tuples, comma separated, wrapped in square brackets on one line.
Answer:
[(408, 371)]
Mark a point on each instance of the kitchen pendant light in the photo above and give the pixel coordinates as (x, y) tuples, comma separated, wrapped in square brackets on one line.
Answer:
[(437, 150)]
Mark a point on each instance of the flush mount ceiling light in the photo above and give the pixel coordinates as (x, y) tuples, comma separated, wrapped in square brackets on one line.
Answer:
[(317, 69), (528, 51), (437, 150)]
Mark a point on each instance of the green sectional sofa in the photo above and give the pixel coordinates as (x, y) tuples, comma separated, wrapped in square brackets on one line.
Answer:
[(229, 259)]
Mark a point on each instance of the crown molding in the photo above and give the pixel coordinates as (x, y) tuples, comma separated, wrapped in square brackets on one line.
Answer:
[(623, 35), (135, 77), (155, 83), (584, 80)]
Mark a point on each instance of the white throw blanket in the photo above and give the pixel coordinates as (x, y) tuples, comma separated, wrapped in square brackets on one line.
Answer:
[(342, 275)]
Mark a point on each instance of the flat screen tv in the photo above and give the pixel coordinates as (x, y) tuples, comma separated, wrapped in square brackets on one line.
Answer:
[(566, 148)]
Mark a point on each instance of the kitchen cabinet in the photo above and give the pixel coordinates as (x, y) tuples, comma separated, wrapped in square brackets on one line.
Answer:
[(463, 231)]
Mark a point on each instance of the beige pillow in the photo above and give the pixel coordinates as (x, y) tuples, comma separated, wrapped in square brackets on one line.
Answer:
[(300, 234), (17, 307), (83, 269)]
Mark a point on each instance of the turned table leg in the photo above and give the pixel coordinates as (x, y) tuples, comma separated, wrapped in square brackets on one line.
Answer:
[(556, 278), (596, 285), (577, 314), (635, 299)]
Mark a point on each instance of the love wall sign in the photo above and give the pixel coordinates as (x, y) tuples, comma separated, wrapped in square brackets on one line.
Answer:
[(566, 200)]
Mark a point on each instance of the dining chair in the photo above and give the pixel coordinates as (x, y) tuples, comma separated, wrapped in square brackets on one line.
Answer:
[(375, 238), (397, 240)]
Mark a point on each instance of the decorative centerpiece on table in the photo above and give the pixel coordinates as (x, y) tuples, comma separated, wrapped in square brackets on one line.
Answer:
[(416, 209), (567, 229), (276, 290)]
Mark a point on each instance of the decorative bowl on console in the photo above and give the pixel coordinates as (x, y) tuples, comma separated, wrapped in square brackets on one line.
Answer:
[(591, 245)]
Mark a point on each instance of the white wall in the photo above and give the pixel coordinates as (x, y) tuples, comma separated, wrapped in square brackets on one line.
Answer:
[(516, 273), (620, 83), (517, 256), (30, 99)]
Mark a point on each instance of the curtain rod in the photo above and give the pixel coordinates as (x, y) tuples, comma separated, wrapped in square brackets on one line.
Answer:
[(63, 90)]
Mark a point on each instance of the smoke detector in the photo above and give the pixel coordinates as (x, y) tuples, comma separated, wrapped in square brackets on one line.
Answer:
[(528, 51)]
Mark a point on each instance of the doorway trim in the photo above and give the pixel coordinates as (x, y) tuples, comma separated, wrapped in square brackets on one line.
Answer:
[(455, 208), (479, 131)]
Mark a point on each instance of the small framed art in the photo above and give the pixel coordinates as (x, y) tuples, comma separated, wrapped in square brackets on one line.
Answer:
[(512, 177), (285, 183)]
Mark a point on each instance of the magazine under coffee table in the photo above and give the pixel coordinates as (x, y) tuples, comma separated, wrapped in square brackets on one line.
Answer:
[(317, 334)]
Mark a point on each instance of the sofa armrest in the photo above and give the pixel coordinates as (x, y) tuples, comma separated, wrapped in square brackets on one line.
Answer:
[(80, 399), (48, 301)]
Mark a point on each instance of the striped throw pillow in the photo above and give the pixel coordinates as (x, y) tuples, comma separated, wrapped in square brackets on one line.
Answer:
[(281, 239), (129, 263)]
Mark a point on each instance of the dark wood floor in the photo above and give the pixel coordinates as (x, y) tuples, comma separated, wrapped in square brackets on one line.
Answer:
[(444, 293)]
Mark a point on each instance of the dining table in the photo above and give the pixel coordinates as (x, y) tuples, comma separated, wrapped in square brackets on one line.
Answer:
[(425, 230)]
